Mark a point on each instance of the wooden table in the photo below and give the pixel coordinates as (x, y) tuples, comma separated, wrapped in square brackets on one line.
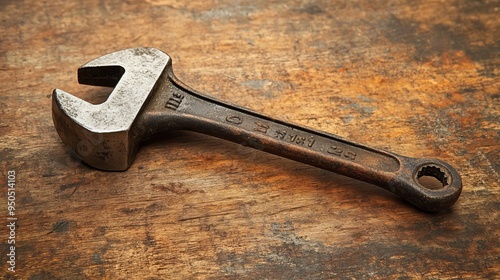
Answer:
[(418, 78)]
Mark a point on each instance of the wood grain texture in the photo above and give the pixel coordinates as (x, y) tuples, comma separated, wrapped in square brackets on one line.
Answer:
[(419, 78)]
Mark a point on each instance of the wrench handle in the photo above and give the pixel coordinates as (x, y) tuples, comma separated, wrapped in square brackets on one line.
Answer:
[(190, 110)]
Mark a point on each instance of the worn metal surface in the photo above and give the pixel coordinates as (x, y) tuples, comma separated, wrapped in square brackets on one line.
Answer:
[(107, 136), (101, 134)]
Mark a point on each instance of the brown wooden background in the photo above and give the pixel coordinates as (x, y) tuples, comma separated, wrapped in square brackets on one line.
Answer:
[(419, 78)]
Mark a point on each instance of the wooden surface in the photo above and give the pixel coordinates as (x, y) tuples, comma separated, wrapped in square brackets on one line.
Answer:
[(419, 78)]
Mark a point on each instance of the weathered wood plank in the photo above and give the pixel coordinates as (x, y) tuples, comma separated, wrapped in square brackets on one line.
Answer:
[(418, 78)]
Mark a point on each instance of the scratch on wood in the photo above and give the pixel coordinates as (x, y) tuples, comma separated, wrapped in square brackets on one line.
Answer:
[(206, 216), (60, 226)]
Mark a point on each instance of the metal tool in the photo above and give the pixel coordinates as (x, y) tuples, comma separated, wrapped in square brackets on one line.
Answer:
[(148, 100)]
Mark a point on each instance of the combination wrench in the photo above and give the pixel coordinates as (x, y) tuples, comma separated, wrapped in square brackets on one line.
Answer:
[(148, 101)]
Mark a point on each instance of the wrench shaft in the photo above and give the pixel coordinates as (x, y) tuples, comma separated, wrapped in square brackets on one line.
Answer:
[(176, 106)]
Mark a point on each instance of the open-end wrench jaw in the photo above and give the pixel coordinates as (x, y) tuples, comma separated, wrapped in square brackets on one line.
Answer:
[(100, 135)]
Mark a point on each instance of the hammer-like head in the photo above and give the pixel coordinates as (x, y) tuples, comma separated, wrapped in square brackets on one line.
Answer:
[(102, 135)]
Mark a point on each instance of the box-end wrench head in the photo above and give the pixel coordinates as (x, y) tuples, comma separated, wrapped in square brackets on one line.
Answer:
[(148, 100)]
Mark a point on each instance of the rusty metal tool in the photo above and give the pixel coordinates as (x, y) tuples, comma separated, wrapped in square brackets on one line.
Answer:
[(148, 100)]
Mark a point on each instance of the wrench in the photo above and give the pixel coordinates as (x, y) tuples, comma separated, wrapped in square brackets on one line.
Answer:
[(148, 100)]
